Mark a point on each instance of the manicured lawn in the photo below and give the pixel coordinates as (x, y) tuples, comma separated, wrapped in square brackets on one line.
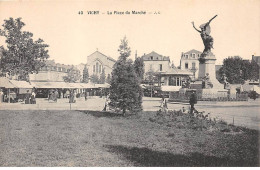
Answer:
[(88, 138)]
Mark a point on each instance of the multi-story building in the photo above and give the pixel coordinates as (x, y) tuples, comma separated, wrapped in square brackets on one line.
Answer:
[(52, 72), (97, 61), (155, 62), (189, 61)]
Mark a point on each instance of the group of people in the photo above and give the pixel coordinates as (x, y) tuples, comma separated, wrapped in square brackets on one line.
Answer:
[(53, 95), (30, 98), (192, 101)]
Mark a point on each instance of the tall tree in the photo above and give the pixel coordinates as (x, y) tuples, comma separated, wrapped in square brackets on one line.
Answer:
[(72, 75), (85, 75), (22, 55), (102, 78), (254, 73), (94, 78), (125, 90), (139, 68)]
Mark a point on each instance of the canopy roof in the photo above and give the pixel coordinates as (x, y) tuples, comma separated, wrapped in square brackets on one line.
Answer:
[(63, 85), (21, 84), (6, 83), (175, 71)]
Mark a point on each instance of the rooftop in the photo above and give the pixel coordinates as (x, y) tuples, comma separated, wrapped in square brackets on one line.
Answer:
[(155, 56)]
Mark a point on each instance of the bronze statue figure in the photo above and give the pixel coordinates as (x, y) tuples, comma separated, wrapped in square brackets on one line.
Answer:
[(205, 35)]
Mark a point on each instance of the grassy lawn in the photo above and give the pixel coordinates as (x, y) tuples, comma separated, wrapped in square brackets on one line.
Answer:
[(88, 138)]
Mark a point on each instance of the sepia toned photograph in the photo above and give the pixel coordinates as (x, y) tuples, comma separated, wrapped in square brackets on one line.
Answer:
[(129, 83)]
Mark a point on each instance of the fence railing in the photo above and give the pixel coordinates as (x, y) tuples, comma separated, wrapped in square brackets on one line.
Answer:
[(176, 96)]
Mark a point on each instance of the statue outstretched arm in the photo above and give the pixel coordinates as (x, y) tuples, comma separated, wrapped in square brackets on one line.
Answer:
[(212, 19), (195, 27)]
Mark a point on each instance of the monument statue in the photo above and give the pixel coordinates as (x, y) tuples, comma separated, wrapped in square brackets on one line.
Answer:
[(206, 38)]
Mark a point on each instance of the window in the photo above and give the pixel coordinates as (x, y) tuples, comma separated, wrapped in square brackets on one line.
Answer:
[(186, 65), (94, 69), (160, 66), (97, 67), (151, 67), (193, 55), (178, 83), (151, 57), (172, 81), (198, 55), (193, 65), (186, 56)]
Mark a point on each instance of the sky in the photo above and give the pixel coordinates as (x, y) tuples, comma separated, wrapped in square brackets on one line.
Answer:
[(72, 37)]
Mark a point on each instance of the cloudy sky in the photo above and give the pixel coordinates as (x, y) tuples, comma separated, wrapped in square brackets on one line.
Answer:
[(72, 37)]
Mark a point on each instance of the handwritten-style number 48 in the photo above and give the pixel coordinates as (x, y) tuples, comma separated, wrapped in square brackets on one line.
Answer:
[(80, 12)]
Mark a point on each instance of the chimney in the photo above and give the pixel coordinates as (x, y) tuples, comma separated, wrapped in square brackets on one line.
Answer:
[(135, 54)]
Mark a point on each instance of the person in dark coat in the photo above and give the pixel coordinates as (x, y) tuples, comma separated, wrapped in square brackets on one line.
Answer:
[(193, 101), (27, 97)]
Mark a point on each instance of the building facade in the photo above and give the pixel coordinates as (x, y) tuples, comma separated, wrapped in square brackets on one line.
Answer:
[(97, 61), (190, 61), (52, 72), (155, 62)]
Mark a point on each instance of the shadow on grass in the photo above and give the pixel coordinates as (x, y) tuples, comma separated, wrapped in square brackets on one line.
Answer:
[(149, 158), (99, 114)]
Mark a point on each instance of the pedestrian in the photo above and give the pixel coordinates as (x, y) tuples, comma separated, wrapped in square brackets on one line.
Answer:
[(27, 97), (162, 101), (74, 96), (1, 96), (33, 98), (56, 95), (50, 95), (106, 103), (86, 95), (193, 101), (163, 105)]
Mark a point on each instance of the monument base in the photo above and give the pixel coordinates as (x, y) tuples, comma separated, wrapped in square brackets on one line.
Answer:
[(207, 68)]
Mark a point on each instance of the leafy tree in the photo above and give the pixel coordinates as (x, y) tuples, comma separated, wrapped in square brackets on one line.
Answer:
[(72, 75), (139, 68), (238, 71), (232, 69), (85, 75), (125, 90), (22, 55), (94, 78), (108, 79), (102, 77), (254, 73)]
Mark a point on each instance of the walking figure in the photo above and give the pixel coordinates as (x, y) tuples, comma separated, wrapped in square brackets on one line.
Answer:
[(106, 103), (193, 101), (164, 106)]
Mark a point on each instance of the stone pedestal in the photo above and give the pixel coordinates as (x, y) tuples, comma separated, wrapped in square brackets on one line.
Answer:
[(208, 66)]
